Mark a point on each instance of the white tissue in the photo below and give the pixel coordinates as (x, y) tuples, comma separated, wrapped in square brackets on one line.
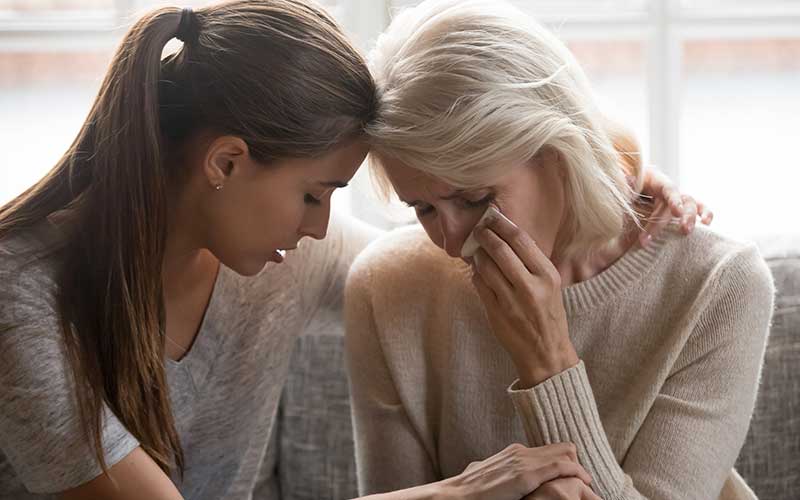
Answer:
[(471, 245)]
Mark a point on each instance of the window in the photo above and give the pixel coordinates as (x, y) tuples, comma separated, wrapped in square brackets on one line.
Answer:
[(710, 87)]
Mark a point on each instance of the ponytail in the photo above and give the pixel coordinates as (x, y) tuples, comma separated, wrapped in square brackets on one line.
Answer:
[(109, 286), (114, 179)]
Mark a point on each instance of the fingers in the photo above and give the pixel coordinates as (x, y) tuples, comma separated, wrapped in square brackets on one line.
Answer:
[(658, 186), (487, 295), (568, 450), (501, 257), (554, 470), (656, 222), (520, 470), (706, 215), (496, 287), (688, 215), (588, 494), (519, 241)]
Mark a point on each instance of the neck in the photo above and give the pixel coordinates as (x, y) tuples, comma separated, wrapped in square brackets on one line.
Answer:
[(186, 260), (588, 264)]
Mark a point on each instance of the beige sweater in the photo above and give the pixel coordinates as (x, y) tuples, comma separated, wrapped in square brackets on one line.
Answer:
[(671, 340)]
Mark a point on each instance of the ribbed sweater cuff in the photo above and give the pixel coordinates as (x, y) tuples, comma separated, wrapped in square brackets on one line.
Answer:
[(563, 409)]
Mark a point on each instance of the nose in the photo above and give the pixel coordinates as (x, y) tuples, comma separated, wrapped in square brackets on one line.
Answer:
[(315, 223), (453, 235)]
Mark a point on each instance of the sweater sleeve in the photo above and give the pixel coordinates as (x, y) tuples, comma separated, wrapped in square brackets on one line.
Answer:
[(692, 435), (390, 452)]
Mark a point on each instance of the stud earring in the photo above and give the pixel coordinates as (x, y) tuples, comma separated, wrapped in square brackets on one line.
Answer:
[(218, 187)]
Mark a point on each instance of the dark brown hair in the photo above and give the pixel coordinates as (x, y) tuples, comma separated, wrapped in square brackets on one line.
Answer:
[(277, 73)]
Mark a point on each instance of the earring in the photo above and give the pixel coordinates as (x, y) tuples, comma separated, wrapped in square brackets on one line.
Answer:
[(218, 187)]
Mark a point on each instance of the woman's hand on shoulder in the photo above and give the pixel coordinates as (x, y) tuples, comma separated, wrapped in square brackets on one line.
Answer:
[(134, 477), (668, 203)]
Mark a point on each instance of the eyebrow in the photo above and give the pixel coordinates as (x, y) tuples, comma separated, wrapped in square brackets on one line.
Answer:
[(333, 184), (456, 194)]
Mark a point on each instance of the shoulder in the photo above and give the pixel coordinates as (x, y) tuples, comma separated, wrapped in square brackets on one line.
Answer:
[(403, 258), (728, 285), (28, 267), (31, 339), (718, 261)]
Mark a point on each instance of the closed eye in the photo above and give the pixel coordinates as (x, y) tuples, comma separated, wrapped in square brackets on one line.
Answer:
[(423, 210), (480, 203)]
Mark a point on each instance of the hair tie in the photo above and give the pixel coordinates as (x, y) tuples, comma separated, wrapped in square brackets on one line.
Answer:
[(187, 27)]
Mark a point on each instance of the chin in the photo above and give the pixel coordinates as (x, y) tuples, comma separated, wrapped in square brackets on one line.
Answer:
[(248, 268)]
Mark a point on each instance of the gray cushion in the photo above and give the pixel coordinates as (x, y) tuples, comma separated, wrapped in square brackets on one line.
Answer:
[(314, 446), (770, 458), (314, 450)]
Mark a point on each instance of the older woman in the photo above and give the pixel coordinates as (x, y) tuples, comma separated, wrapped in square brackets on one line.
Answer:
[(646, 359)]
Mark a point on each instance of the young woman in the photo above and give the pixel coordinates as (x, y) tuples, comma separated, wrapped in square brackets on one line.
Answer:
[(142, 348), (646, 360)]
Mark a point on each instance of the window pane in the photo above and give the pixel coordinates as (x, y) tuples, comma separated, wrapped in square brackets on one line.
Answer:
[(705, 4), (739, 132), (538, 7), (146, 4), (616, 71), (36, 6), (45, 98)]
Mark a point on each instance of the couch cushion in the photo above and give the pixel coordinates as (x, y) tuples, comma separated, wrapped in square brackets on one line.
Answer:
[(314, 446), (770, 458), (317, 457)]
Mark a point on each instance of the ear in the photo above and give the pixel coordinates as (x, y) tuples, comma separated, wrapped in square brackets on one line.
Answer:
[(549, 157), (224, 155)]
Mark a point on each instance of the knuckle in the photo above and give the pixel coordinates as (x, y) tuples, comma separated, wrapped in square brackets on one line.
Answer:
[(494, 244), (528, 293), (514, 448), (518, 237), (554, 278)]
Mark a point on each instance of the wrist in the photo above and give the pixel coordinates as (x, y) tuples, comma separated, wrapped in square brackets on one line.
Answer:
[(440, 490), (446, 489), (532, 372)]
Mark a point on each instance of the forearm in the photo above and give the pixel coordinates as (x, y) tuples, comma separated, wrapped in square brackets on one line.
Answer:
[(432, 491), (562, 409)]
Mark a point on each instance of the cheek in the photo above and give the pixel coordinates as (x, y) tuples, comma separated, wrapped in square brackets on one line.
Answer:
[(264, 216), (281, 215), (432, 230), (451, 226), (540, 222)]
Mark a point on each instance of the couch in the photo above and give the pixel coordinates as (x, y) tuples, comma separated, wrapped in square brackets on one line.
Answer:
[(311, 454)]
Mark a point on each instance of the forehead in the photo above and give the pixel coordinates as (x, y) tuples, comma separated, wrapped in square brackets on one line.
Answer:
[(341, 162), (412, 183)]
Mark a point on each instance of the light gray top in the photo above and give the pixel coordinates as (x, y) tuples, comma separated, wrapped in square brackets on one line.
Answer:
[(224, 392)]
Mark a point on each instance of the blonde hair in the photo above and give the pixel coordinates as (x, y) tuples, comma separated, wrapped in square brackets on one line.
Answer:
[(469, 88)]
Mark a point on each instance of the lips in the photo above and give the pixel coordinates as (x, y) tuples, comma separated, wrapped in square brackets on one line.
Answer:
[(279, 255)]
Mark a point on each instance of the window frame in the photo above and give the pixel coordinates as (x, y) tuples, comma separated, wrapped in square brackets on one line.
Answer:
[(663, 25)]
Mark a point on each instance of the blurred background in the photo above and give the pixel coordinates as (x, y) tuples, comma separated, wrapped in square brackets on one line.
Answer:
[(711, 88)]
